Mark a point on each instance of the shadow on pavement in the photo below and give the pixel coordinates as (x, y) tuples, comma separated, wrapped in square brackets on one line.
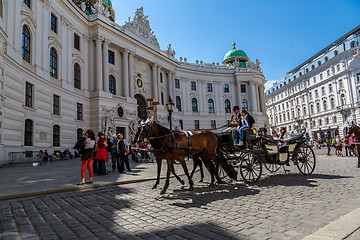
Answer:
[(201, 196), (295, 179)]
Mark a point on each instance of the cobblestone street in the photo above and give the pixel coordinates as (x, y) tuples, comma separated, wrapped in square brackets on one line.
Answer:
[(279, 206)]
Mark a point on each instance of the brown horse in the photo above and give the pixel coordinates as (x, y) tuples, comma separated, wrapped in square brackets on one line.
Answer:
[(172, 146), (356, 130)]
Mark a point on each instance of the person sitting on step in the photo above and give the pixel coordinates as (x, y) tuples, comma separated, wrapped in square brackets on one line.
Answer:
[(245, 122)]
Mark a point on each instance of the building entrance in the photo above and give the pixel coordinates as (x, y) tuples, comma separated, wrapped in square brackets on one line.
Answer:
[(141, 102)]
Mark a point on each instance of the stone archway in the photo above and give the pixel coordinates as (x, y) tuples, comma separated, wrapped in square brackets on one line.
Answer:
[(141, 102)]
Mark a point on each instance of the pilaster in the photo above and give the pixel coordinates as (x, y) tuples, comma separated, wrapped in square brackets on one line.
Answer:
[(106, 65), (131, 74), (126, 72), (99, 67)]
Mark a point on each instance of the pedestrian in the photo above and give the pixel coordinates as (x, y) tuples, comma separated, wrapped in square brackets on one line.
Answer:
[(101, 154), (327, 142), (338, 146), (87, 157), (346, 145), (114, 154), (122, 151), (108, 149), (351, 145)]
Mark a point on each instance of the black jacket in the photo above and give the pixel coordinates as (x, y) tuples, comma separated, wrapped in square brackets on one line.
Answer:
[(250, 119)]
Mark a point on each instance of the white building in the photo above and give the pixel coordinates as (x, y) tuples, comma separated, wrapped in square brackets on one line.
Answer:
[(322, 94), (65, 66)]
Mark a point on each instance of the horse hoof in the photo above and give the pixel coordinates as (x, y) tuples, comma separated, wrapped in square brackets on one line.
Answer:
[(163, 192), (201, 180), (182, 182), (154, 187), (191, 188)]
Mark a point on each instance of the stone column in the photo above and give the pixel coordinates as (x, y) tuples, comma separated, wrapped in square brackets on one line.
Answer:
[(253, 99), (106, 65), (119, 83), (85, 71), (158, 85), (218, 102), (154, 82), (169, 86), (126, 72), (262, 97), (238, 94), (131, 74), (99, 70)]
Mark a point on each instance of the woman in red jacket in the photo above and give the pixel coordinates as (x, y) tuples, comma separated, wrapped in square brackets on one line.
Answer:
[(102, 154)]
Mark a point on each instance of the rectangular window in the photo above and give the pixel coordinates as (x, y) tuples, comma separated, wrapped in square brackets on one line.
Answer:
[(209, 87), (330, 88), (161, 77), (76, 41), (79, 111), (193, 86), (29, 95), (196, 124), (314, 79), (226, 88), (321, 76), (243, 88), (56, 105), (111, 55), (323, 90), (328, 73), (358, 77), (177, 83), (53, 23), (316, 93), (213, 124)]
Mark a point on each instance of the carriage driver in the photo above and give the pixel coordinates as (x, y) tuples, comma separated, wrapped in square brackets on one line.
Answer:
[(283, 140), (246, 121), (234, 120)]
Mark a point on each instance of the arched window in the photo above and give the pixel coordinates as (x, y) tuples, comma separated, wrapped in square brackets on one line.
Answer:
[(332, 102), (77, 76), (335, 52), (53, 63), (25, 43), (28, 139), (27, 3), (343, 99), (211, 106), (56, 136), (112, 84), (244, 104), (352, 44), (312, 109), (325, 105), (178, 103), (298, 112), (79, 133), (194, 105), (318, 107), (334, 119), (227, 106)]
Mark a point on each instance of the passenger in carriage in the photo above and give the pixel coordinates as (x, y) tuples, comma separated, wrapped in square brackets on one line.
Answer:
[(234, 120), (284, 138), (246, 121)]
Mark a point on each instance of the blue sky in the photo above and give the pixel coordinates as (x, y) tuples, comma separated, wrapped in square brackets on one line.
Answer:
[(281, 34)]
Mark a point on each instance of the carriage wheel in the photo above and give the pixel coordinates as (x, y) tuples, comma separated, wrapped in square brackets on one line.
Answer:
[(272, 167), (250, 168), (305, 160)]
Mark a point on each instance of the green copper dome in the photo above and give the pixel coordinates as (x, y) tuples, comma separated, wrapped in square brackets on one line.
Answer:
[(234, 54), (108, 2)]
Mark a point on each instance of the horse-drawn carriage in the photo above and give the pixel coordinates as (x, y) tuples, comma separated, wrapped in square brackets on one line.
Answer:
[(219, 155), (262, 150)]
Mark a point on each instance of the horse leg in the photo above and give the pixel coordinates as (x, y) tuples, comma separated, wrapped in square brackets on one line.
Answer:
[(183, 164), (177, 177), (158, 163), (196, 163), (169, 169), (201, 170)]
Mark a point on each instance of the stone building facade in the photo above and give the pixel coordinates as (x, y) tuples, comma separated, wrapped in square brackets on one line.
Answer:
[(66, 66), (321, 95)]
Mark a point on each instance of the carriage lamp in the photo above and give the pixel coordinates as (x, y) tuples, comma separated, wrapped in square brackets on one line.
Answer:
[(170, 108)]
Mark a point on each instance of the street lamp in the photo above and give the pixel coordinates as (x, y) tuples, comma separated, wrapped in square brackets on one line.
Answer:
[(170, 108)]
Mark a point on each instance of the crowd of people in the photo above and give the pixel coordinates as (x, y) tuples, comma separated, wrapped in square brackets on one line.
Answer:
[(46, 157), (103, 154), (340, 145)]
